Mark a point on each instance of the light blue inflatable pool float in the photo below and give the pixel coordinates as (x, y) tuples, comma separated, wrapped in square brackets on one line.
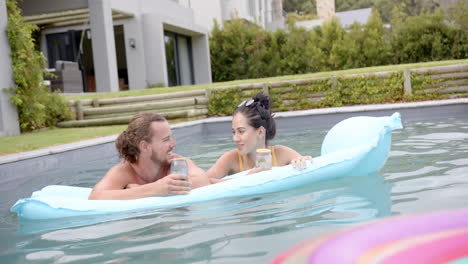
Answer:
[(357, 146)]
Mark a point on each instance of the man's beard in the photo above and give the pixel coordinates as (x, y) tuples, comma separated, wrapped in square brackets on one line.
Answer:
[(162, 163)]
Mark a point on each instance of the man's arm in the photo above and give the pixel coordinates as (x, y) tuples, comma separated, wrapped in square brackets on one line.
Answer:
[(112, 186), (197, 175)]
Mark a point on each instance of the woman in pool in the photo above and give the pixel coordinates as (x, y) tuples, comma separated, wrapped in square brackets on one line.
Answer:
[(252, 127)]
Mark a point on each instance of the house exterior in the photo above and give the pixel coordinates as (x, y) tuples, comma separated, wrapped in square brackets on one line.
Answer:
[(8, 115), (112, 45), (266, 13), (119, 45)]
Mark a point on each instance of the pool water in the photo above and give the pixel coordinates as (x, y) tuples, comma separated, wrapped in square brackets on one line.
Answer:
[(427, 170)]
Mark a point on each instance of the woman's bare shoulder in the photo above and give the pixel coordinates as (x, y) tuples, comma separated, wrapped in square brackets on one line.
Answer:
[(282, 149), (231, 153), (224, 165), (285, 154), (229, 158)]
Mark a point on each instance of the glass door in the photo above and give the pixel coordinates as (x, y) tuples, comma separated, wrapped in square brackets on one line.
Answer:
[(179, 60)]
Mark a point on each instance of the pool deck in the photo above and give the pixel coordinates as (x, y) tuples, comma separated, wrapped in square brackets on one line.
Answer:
[(322, 111)]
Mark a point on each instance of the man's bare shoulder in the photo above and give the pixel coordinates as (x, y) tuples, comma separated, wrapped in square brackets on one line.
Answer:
[(118, 176), (121, 169)]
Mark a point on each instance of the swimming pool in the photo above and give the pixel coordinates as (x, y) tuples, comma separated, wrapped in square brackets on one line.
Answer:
[(427, 170)]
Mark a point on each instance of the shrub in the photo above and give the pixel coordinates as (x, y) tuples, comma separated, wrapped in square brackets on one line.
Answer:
[(422, 38), (37, 107)]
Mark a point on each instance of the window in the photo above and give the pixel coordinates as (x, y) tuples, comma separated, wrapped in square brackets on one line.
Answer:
[(178, 59), (62, 46)]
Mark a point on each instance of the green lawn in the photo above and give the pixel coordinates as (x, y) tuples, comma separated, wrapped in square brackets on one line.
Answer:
[(57, 136)]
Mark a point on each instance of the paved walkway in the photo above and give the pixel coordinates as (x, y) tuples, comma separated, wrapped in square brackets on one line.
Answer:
[(321, 111)]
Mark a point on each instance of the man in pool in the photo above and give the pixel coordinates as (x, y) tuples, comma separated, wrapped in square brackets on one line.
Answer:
[(146, 152)]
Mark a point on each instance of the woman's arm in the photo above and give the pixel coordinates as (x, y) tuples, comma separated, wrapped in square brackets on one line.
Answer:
[(286, 155), (223, 166)]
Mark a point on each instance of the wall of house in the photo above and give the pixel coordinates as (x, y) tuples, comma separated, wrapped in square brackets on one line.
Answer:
[(155, 61), (236, 9), (9, 125), (277, 12), (133, 31), (168, 8), (147, 61), (206, 12), (154, 26), (265, 13), (105, 60), (35, 7), (201, 58), (167, 16)]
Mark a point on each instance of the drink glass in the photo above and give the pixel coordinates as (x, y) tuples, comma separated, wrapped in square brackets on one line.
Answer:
[(179, 166), (263, 158)]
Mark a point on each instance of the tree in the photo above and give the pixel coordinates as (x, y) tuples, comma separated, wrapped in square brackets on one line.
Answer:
[(459, 30), (409, 7), (299, 6), (347, 53), (376, 48), (457, 14), (299, 54), (421, 38), (346, 5), (230, 49), (264, 59), (330, 34)]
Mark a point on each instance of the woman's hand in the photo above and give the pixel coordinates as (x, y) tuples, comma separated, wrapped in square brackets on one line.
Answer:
[(300, 162)]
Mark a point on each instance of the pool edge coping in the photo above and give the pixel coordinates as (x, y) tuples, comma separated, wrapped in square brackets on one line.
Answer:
[(10, 158)]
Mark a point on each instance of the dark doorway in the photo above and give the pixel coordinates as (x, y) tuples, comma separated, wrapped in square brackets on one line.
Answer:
[(179, 59), (87, 62), (122, 72)]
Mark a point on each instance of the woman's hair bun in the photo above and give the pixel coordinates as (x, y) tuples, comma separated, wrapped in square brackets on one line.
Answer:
[(263, 100)]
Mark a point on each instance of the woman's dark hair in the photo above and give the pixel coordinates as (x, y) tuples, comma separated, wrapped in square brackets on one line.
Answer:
[(258, 114), (139, 128)]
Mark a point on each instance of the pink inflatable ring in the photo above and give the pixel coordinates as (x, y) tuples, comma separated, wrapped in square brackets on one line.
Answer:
[(440, 237)]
